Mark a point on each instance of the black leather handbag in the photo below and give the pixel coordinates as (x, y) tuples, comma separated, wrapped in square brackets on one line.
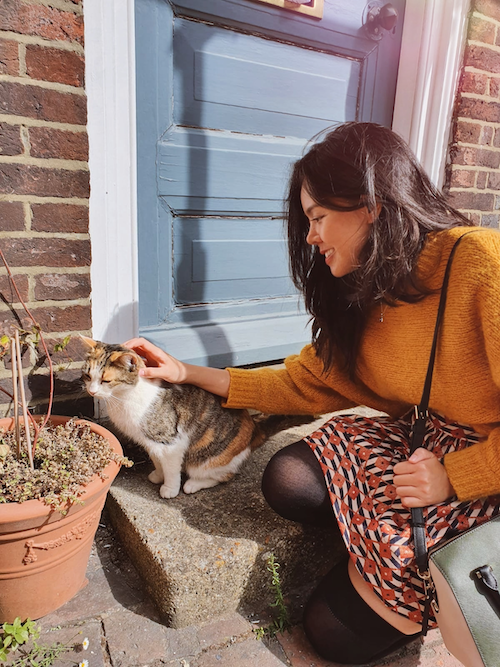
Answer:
[(460, 574)]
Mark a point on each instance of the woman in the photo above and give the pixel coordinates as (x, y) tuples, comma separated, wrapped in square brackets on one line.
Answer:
[(369, 238)]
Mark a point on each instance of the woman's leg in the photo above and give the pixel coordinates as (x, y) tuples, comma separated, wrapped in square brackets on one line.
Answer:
[(294, 486), (344, 620), (341, 627), (401, 623)]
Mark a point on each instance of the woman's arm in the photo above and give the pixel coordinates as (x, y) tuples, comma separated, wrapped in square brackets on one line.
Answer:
[(165, 367)]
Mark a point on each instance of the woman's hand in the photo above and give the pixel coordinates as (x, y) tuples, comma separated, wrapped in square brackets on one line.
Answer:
[(422, 480), (159, 364), (164, 367)]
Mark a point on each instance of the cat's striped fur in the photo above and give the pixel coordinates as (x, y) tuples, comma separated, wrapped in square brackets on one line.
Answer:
[(182, 427)]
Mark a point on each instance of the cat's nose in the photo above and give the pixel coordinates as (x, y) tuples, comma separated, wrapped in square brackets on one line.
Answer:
[(92, 392)]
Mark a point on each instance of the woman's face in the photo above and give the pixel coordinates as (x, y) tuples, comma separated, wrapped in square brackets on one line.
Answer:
[(339, 235)]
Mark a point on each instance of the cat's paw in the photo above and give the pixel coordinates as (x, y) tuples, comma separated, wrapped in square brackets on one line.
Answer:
[(194, 485), (156, 477), (167, 491)]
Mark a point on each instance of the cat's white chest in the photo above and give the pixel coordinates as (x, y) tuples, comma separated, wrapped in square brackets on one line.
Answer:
[(128, 405)]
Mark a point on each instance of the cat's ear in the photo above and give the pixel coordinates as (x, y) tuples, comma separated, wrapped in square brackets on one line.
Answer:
[(127, 360), (89, 342)]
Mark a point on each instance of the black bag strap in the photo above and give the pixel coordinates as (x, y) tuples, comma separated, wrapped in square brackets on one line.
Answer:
[(418, 433)]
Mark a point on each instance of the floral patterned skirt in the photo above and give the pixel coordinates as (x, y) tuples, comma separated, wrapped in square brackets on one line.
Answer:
[(357, 456)]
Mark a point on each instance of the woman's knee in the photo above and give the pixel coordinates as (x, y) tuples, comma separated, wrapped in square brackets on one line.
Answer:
[(294, 486)]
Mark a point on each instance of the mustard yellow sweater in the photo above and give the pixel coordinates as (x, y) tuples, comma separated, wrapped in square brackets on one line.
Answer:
[(394, 355)]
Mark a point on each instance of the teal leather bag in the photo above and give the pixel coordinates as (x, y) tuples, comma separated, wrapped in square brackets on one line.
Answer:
[(460, 574), (463, 571)]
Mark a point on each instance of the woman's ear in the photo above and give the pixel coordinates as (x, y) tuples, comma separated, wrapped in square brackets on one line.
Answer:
[(373, 215)]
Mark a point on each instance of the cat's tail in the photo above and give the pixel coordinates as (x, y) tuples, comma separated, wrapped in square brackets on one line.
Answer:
[(268, 425)]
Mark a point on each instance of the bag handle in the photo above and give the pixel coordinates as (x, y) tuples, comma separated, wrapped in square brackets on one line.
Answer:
[(417, 438)]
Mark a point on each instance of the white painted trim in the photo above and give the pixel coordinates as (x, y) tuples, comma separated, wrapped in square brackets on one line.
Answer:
[(110, 85), (428, 76), (428, 73)]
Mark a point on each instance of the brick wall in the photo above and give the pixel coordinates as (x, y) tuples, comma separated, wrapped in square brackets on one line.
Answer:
[(44, 182), (473, 175)]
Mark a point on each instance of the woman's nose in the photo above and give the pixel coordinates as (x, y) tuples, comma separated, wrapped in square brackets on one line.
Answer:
[(312, 235)]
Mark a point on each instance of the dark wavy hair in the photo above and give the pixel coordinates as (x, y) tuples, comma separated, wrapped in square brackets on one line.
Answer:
[(363, 163)]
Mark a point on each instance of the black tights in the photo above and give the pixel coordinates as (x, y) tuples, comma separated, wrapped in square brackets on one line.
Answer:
[(339, 624)]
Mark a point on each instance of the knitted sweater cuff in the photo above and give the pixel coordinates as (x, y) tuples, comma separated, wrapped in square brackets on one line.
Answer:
[(243, 388), (468, 476)]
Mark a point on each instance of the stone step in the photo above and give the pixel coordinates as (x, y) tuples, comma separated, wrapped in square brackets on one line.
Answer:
[(205, 555)]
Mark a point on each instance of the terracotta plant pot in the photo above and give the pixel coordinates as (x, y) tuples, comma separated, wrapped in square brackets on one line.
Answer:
[(43, 554)]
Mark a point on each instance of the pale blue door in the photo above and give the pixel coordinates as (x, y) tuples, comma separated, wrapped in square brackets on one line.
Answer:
[(228, 94)]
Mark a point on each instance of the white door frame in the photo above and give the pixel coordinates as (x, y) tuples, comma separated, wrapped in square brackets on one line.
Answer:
[(431, 54)]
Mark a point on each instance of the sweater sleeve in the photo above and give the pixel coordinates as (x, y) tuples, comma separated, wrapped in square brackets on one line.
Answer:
[(474, 472), (299, 388)]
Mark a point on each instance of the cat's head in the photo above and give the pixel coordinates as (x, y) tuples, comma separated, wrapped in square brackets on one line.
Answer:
[(109, 368)]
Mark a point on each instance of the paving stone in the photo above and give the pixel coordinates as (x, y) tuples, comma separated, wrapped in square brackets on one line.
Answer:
[(134, 640), (72, 638), (248, 653), (223, 630)]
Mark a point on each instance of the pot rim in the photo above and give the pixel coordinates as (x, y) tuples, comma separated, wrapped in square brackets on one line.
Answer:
[(29, 509)]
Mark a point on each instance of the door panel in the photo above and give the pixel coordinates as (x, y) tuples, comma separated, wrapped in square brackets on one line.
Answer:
[(229, 94)]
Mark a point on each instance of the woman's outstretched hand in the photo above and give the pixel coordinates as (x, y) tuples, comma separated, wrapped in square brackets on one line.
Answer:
[(162, 366), (159, 364), (422, 480)]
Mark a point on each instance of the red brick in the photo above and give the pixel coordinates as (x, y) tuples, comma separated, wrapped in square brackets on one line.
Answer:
[(476, 201), (43, 104), (475, 157), (62, 286), (486, 135), (72, 318), (51, 319), (468, 133), (24, 179), (481, 180), (49, 143), (490, 220), (9, 57), (482, 57), (11, 216), (463, 178), (475, 218), (494, 180), (10, 140), (60, 218), (479, 109), (58, 65), (496, 140), (494, 88), (75, 350), (481, 30), (474, 82), (40, 20), (25, 358), (46, 252), (7, 291), (36, 385), (490, 8)]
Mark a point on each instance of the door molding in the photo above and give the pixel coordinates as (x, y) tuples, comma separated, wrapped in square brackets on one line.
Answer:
[(427, 81)]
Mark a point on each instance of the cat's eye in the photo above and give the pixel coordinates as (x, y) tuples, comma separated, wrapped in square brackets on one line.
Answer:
[(85, 376), (103, 381)]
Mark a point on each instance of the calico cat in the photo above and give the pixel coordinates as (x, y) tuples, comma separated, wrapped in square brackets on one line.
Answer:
[(182, 427)]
